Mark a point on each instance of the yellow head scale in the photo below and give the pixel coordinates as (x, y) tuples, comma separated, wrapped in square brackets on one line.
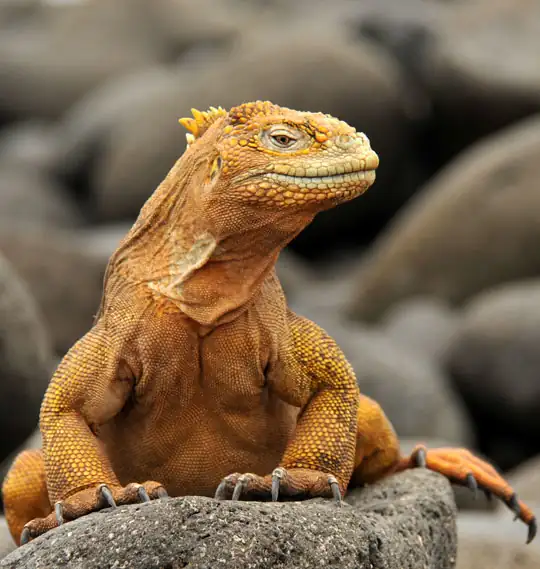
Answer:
[(200, 122)]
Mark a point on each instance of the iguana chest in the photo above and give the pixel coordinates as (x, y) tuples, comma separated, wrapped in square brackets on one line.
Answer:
[(203, 406)]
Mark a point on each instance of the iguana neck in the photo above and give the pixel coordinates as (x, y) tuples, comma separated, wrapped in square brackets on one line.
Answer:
[(177, 252)]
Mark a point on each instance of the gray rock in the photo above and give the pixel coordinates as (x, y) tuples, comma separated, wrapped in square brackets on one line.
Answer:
[(7, 545), (494, 362), (525, 479), (50, 60), (476, 61), (65, 280), (29, 196), (405, 522), (25, 360), (425, 325), (31, 143), (476, 224), (494, 542), (32, 442)]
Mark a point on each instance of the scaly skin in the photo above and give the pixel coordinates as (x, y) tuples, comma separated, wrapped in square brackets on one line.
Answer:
[(195, 368)]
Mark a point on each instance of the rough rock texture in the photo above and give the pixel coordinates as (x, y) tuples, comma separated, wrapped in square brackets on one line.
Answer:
[(405, 522), (494, 362), (65, 280), (425, 325), (25, 360), (476, 224)]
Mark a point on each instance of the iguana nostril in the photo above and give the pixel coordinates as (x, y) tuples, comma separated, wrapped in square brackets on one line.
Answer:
[(344, 141)]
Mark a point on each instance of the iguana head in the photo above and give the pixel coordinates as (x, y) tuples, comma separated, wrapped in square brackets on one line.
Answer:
[(259, 157), (249, 181)]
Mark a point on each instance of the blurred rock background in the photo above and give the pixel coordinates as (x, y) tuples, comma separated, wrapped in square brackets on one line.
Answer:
[(430, 282)]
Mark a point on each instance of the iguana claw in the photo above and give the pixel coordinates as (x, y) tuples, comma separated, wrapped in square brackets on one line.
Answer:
[(143, 494), (277, 475), (25, 536), (334, 484), (533, 527), (106, 494), (59, 513), (471, 483), (239, 487)]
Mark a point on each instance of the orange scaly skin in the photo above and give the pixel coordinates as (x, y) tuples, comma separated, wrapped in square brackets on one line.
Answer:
[(195, 368)]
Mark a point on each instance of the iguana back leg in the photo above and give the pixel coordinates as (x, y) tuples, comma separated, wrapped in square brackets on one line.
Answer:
[(377, 455), (25, 492)]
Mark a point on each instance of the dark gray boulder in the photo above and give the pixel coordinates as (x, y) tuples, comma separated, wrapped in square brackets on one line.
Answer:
[(407, 521), (26, 359)]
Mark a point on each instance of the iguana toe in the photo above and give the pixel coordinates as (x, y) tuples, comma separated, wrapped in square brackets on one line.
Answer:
[(90, 500), (294, 483), (462, 467)]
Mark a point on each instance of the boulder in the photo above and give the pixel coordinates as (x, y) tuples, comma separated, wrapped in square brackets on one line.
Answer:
[(494, 542), (48, 61), (31, 143), (65, 279), (26, 360), (477, 63), (474, 225), (405, 522), (525, 479), (32, 442), (30, 197), (425, 325), (494, 361), (7, 545)]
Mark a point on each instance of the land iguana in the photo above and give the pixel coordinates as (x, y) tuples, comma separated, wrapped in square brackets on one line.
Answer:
[(196, 379)]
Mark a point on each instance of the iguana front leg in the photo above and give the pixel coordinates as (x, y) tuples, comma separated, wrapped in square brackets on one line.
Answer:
[(319, 459), (91, 385)]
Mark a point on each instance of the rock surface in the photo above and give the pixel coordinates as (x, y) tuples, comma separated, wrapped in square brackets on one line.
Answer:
[(494, 362), (65, 279), (25, 360), (475, 225), (29, 196), (487, 541), (405, 522), (476, 62), (425, 325), (525, 479), (7, 545)]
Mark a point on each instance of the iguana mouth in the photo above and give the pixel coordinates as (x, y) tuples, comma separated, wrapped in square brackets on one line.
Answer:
[(312, 182)]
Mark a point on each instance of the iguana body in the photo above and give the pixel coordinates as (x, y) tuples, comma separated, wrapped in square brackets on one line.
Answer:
[(195, 368)]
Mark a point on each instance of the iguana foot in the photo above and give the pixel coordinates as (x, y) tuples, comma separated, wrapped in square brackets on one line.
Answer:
[(91, 500), (463, 467), (296, 483)]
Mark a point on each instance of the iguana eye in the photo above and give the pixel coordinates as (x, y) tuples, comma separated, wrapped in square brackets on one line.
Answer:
[(285, 138), (282, 139)]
